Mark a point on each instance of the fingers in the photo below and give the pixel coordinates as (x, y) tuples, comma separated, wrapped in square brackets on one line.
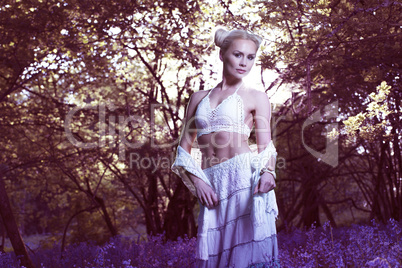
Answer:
[(208, 197), (265, 184), (213, 199), (256, 189), (210, 200)]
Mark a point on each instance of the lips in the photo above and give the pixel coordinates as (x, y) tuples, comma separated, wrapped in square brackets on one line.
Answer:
[(241, 71)]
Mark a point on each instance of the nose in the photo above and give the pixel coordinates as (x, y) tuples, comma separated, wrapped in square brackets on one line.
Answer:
[(243, 62)]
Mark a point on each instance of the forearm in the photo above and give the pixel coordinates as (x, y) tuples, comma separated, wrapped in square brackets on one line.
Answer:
[(194, 179), (184, 166), (267, 160), (269, 167)]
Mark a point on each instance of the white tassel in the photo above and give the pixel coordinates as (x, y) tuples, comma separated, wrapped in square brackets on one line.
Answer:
[(202, 247), (258, 212)]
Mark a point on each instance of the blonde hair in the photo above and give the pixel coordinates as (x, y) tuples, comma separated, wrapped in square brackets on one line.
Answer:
[(224, 38)]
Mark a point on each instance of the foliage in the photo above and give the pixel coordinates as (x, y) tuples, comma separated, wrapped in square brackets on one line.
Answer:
[(110, 60), (368, 125), (372, 245), (376, 135), (128, 69), (338, 49), (335, 52)]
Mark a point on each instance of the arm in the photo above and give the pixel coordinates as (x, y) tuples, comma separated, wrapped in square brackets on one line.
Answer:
[(262, 118), (189, 131), (198, 187)]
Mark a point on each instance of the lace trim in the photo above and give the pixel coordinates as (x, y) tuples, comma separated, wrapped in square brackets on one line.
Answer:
[(230, 222), (231, 176), (271, 264), (228, 187), (218, 229), (215, 122), (234, 194)]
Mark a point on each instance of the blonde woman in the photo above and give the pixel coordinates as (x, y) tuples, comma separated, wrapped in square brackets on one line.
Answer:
[(236, 224)]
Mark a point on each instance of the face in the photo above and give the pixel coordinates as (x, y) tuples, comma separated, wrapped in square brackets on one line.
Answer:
[(239, 58)]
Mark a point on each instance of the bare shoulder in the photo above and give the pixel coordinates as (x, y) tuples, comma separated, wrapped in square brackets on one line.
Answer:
[(196, 98), (199, 95), (256, 97), (260, 96)]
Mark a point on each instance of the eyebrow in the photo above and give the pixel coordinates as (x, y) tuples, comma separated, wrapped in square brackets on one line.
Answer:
[(238, 51)]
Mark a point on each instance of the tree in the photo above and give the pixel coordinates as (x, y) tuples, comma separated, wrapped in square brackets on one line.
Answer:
[(90, 65), (11, 226), (331, 51), (376, 132), (92, 96)]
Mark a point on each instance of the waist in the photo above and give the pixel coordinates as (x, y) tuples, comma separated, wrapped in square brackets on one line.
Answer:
[(219, 147)]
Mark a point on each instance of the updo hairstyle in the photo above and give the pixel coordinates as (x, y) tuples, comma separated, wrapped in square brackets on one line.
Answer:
[(224, 38)]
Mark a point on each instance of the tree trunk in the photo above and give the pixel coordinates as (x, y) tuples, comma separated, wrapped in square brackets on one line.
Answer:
[(108, 220), (152, 217), (380, 205), (328, 213), (179, 220), (3, 236), (11, 226), (311, 212), (310, 180)]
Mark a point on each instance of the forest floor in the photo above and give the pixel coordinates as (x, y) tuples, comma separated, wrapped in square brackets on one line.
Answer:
[(372, 245)]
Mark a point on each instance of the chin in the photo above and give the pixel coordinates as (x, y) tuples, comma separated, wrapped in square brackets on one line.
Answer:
[(240, 76), (237, 75)]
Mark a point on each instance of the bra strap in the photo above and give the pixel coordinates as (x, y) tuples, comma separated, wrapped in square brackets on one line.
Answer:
[(209, 92), (239, 87), (233, 93)]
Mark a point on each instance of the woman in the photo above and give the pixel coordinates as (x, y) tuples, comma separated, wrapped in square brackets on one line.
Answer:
[(236, 224)]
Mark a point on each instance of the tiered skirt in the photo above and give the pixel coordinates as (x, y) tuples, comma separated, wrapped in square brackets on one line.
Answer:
[(228, 233)]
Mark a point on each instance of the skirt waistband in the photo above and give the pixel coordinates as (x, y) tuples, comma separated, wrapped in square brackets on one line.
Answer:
[(244, 158)]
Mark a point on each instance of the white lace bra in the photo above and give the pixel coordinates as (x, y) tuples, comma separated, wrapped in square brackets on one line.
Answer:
[(227, 116)]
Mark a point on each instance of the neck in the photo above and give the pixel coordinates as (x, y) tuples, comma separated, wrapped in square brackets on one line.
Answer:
[(228, 84)]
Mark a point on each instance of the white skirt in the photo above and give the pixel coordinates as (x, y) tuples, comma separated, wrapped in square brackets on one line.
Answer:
[(230, 232)]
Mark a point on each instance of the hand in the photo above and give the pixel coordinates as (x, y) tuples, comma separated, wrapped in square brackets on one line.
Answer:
[(265, 184), (206, 194)]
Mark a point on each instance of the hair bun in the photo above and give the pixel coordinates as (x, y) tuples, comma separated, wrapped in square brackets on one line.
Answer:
[(220, 36)]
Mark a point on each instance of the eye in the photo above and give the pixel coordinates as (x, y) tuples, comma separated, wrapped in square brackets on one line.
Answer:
[(251, 57), (237, 55)]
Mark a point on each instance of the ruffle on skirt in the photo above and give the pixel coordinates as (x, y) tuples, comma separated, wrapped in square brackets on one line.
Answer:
[(229, 236)]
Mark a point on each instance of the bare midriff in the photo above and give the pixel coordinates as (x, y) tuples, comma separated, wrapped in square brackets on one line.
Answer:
[(217, 147)]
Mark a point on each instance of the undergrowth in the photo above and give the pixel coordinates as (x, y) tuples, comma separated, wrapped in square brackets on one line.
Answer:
[(371, 245)]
